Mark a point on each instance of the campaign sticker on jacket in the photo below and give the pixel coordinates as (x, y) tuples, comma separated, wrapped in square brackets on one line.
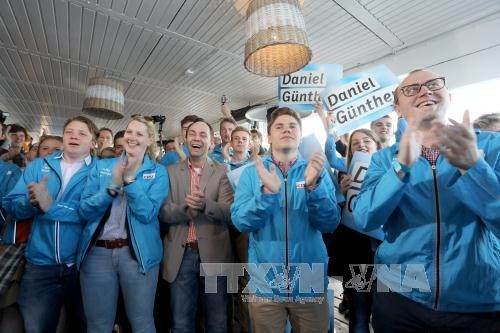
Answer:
[(149, 176), (45, 168), (300, 184)]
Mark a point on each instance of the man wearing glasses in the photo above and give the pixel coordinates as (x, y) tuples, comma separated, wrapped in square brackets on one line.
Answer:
[(436, 196)]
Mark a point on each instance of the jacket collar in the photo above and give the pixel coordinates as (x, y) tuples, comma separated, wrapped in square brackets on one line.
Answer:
[(87, 160)]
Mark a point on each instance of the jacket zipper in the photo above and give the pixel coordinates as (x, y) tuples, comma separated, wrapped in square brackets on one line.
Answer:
[(438, 238), (136, 244), (286, 238), (56, 225), (58, 253)]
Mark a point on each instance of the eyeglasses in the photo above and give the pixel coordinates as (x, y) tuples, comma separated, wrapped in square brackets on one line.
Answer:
[(432, 85)]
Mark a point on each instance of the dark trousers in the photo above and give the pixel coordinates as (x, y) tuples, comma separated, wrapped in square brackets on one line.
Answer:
[(43, 291), (395, 313)]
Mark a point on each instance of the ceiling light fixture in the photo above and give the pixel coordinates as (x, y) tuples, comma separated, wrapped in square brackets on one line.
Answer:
[(104, 98), (277, 42)]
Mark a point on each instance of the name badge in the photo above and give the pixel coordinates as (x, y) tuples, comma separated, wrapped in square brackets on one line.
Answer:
[(149, 176), (300, 184)]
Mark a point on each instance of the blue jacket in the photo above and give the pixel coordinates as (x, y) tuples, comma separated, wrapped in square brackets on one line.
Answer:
[(216, 154), (445, 224), (54, 235), (285, 229), (144, 199), (9, 174), (171, 157)]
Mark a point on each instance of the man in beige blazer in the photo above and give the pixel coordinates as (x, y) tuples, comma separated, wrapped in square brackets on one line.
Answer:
[(197, 211)]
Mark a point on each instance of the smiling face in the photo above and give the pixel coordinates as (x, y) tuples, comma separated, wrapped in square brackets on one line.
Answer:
[(49, 146), (137, 139), (119, 146), (383, 128), (198, 139), (426, 101), (362, 142), (285, 133), (77, 140)]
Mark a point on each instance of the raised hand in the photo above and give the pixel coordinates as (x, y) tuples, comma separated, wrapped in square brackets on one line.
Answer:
[(39, 194), (225, 152), (313, 169), (270, 179), (457, 143), (345, 183), (410, 146)]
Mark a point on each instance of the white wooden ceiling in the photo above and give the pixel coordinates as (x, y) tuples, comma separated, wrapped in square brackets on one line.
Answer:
[(49, 49)]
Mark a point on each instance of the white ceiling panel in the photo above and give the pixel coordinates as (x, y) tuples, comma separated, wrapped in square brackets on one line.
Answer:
[(49, 49)]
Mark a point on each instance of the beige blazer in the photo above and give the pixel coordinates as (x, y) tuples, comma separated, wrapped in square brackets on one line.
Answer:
[(212, 225)]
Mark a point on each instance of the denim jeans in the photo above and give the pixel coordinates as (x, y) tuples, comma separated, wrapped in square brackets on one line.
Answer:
[(43, 291), (184, 292), (104, 271)]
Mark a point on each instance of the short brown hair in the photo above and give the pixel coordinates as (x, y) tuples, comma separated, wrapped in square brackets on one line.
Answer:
[(45, 138), (105, 129), (228, 120), (240, 129), (189, 119), (201, 120), (256, 131), (283, 111), (486, 120), (90, 124)]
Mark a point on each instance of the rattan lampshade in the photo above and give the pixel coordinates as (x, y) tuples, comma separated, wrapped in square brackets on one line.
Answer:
[(104, 98), (276, 38)]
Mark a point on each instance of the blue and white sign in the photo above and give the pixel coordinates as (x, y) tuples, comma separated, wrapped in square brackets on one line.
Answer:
[(360, 98), (300, 90), (359, 165)]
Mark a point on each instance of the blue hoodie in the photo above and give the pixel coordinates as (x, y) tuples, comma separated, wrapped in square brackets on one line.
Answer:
[(285, 229), (145, 196), (54, 235), (444, 222)]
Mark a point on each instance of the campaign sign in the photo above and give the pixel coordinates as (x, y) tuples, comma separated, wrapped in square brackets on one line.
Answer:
[(360, 98), (300, 90), (359, 165)]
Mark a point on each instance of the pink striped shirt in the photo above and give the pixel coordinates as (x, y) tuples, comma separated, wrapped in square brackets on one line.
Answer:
[(195, 186)]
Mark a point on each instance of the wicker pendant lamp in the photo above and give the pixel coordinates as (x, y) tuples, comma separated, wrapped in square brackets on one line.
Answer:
[(276, 38), (104, 98)]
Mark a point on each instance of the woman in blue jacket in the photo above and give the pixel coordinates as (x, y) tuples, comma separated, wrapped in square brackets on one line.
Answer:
[(121, 245)]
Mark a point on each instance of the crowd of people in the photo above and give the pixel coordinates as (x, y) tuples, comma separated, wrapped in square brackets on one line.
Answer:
[(116, 234)]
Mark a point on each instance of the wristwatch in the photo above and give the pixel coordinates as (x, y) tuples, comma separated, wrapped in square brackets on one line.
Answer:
[(398, 167)]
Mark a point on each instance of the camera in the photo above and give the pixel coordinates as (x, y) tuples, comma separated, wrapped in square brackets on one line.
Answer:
[(3, 116), (158, 119)]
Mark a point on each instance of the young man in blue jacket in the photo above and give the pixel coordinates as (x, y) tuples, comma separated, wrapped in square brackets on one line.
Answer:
[(285, 203), (436, 196), (49, 192)]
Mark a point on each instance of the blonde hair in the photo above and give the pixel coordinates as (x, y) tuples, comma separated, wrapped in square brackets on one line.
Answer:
[(151, 129)]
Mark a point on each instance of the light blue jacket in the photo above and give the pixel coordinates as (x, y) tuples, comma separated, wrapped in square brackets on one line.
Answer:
[(443, 223), (285, 229), (54, 235), (9, 174), (171, 157), (144, 199), (216, 154)]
